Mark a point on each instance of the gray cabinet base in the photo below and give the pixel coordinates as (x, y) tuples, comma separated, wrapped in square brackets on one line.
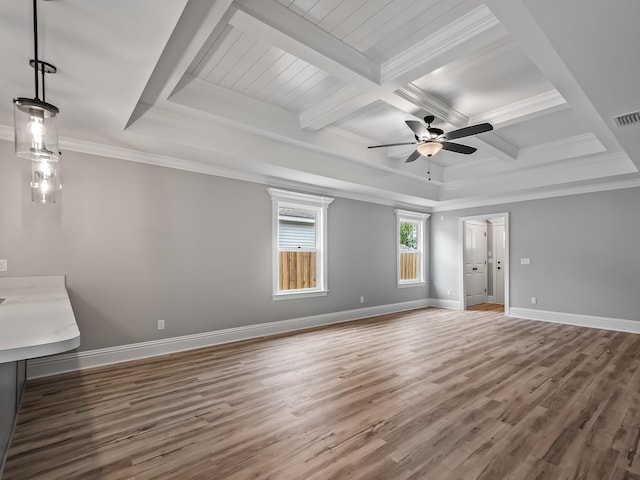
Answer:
[(12, 381)]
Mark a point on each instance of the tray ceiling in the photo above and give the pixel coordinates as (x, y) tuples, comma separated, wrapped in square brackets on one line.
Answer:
[(292, 92)]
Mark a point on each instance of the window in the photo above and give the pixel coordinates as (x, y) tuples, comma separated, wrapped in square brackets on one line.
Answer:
[(410, 247), (299, 244)]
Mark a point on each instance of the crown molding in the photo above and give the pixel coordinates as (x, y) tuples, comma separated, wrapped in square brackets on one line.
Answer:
[(562, 191)]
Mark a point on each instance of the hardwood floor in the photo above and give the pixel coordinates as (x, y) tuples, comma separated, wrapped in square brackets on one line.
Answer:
[(430, 394), (487, 307)]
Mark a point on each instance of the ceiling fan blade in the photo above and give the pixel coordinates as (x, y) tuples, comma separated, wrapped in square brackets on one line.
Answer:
[(392, 144), (418, 128), (458, 148), (413, 157), (467, 131)]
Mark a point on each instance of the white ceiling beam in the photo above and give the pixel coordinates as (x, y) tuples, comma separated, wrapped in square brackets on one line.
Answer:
[(527, 109), (441, 110), (285, 29), (406, 66), (462, 37), (338, 105), (199, 18)]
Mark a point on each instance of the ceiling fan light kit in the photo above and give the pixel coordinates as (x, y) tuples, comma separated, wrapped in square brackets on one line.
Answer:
[(429, 148), (431, 140), (36, 129)]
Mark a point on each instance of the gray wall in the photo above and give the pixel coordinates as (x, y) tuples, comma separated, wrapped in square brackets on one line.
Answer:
[(583, 248), (140, 243)]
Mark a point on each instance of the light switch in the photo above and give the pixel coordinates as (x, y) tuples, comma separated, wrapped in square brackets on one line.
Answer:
[(525, 261), (3, 264)]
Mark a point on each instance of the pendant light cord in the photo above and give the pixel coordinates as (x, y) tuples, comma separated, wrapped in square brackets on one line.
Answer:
[(36, 65)]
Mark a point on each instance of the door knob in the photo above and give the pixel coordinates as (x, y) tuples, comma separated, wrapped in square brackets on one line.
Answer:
[(474, 268), (498, 268)]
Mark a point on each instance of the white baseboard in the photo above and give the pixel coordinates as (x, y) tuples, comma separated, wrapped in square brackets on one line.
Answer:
[(605, 323), (441, 303), (67, 362)]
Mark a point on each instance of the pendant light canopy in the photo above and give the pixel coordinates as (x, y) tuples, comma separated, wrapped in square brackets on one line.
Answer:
[(36, 121)]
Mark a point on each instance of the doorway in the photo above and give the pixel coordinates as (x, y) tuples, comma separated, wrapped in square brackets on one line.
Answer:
[(484, 260)]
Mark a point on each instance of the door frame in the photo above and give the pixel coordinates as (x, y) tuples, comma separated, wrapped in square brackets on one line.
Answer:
[(507, 266), (496, 222)]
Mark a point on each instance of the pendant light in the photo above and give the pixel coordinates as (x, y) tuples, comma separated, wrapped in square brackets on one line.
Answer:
[(45, 182), (36, 122)]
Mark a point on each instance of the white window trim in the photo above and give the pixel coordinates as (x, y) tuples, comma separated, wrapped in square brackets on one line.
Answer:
[(320, 205), (420, 219)]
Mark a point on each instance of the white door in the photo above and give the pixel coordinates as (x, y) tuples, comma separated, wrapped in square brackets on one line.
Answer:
[(475, 263), (498, 248)]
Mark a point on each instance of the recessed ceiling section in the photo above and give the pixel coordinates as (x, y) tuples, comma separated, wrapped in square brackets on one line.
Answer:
[(245, 64), (500, 74)]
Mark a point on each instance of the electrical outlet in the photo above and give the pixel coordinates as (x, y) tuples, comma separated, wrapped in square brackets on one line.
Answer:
[(361, 299), (3, 264), (160, 324), (449, 292), (534, 300)]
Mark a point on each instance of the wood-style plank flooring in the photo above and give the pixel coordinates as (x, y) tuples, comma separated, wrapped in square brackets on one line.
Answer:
[(431, 394), (487, 307)]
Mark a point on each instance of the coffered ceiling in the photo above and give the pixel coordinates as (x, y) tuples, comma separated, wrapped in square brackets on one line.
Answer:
[(291, 92)]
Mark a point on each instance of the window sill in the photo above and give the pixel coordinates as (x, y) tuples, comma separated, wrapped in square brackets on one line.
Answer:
[(411, 284), (303, 294)]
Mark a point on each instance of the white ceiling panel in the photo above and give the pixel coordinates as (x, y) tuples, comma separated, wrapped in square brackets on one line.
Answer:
[(318, 87), (475, 85), (245, 64), (372, 27)]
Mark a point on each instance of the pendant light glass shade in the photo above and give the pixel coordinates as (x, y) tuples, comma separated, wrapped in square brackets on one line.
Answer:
[(36, 129), (35, 120), (429, 148), (45, 181)]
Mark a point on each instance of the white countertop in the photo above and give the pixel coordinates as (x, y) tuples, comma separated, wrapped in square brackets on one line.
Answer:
[(36, 318)]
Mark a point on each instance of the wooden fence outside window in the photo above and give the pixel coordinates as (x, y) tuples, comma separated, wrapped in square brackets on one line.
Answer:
[(409, 266), (297, 269)]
